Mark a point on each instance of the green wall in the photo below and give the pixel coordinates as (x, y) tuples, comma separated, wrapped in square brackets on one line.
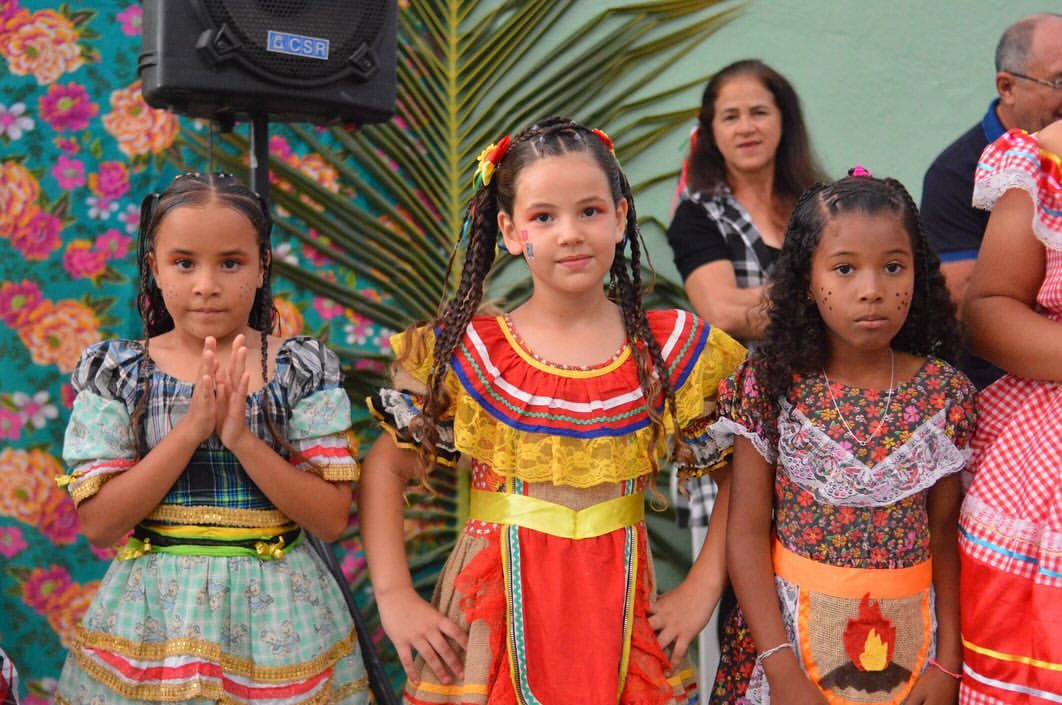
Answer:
[(885, 84)]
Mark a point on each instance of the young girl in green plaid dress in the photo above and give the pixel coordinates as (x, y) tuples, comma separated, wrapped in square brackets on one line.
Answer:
[(216, 466)]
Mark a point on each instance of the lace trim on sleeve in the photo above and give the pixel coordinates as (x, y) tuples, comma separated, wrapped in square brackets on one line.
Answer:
[(988, 189), (761, 444)]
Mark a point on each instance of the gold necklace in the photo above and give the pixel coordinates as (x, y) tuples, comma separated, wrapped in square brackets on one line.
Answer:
[(884, 412)]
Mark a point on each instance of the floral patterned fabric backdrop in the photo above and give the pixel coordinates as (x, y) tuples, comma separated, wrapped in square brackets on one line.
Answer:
[(78, 151)]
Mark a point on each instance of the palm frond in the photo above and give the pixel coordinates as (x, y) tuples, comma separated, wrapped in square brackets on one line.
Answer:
[(468, 73)]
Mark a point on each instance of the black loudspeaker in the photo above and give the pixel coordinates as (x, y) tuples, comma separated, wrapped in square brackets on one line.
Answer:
[(318, 61)]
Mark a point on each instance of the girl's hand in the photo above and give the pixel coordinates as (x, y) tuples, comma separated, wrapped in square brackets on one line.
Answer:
[(677, 618), (199, 420), (231, 414), (413, 624), (934, 687)]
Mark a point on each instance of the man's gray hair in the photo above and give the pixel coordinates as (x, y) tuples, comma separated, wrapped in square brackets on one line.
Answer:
[(1012, 52)]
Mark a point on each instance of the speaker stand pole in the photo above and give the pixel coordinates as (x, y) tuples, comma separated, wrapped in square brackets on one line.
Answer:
[(260, 155)]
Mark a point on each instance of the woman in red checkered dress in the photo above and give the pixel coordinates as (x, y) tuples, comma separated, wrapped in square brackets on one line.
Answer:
[(1011, 524)]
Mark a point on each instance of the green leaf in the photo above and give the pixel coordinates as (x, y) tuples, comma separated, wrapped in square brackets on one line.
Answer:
[(469, 72)]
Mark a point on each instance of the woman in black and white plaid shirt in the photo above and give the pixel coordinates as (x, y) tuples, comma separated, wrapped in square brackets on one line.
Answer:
[(749, 161)]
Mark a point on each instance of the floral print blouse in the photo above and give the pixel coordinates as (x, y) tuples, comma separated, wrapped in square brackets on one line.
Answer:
[(837, 501)]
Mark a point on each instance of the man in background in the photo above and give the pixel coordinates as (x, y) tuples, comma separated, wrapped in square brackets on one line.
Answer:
[(1029, 84)]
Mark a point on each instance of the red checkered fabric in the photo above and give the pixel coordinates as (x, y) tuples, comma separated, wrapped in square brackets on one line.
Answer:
[(969, 696), (1016, 160), (1011, 523)]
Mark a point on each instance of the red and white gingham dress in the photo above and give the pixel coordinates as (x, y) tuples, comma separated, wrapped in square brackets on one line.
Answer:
[(1011, 523)]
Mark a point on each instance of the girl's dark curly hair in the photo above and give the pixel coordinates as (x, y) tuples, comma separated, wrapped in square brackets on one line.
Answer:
[(548, 138), (193, 189), (795, 340)]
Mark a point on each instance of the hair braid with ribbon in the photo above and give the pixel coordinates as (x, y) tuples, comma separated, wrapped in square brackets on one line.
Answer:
[(495, 179)]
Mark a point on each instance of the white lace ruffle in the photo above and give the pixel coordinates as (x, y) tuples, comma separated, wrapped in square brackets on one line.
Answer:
[(831, 473), (988, 189), (762, 446)]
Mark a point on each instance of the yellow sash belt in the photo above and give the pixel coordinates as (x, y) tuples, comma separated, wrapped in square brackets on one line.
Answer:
[(556, 519)]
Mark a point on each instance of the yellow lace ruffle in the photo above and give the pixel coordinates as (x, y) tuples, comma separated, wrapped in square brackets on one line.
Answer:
[(578, 462)]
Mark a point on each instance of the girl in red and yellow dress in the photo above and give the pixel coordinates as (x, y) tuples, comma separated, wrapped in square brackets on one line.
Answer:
[(562, 406), (1011, 525)]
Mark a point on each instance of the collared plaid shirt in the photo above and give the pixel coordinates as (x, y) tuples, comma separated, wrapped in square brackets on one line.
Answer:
[(741, 236), (751, 269)]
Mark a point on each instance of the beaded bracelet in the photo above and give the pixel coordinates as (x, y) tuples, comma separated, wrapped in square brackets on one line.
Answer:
[(936, 664), (764, 655)]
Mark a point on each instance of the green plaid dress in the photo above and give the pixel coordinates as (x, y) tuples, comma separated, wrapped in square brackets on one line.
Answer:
[(243, 611)]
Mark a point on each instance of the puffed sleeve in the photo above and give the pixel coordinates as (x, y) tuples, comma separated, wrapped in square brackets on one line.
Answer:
[(395, 408), (319, 426), (743, 411), (709, 355), (100, 440), (1016, 161)]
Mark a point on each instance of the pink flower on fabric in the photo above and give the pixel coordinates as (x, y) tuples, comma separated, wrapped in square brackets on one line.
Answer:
[(327, 308), (43, 590), (82, 261), (67, 107), (59, 520), (39, 238), (132, 20), (10, 424), (8, 8), (11, 541), (100, 208), (69, 173), (279, 147), (67, 144), (352, 564), (36, 410), (18, 301), (113, 244), (111, 182), (13, 123), (129, 217), (41, 692)]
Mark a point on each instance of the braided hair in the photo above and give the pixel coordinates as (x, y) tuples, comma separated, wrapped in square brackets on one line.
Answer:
[(193, 189), (795, 340), (551, 137)]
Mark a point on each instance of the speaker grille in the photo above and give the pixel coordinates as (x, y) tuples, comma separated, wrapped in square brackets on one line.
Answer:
[(346, 25)]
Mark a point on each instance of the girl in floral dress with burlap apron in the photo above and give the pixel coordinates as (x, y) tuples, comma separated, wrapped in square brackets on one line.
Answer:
[(1011, 524), (548, 595), (852, 432)]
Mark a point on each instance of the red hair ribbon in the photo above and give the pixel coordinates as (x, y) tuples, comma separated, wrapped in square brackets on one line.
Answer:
[(488, 161)]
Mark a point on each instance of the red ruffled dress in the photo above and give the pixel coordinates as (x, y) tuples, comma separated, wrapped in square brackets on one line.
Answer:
[(552, 575), (1011, 522)]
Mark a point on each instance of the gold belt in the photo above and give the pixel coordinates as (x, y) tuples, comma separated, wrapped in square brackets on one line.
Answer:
[(556, 519)]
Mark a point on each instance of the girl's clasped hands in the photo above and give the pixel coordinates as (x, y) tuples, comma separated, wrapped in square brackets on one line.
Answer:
[(219, 400)]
